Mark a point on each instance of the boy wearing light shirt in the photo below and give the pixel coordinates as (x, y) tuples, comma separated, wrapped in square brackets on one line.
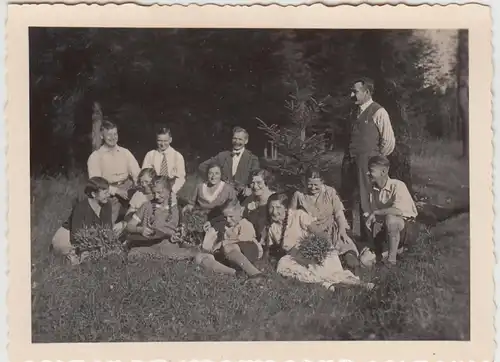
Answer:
[(116, 164), (391, 206), (166, 161)]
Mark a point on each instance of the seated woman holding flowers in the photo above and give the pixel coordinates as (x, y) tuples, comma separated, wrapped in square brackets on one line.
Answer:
[(324, 205), (210, 197), (94, 211), (303, 251)]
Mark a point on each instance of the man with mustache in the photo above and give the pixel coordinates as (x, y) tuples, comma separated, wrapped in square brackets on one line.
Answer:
[(237, 164), (371, 134)]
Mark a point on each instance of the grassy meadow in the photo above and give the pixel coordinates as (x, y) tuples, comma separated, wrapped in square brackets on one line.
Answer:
[(425, 298)]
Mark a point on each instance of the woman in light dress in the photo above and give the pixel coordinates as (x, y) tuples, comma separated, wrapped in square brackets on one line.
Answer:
[(324, 205), (287, 226)]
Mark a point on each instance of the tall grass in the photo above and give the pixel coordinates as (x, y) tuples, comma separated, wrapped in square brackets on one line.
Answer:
[(426, 297)]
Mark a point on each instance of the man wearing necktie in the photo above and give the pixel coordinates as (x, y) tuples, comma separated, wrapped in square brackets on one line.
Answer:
[(165, 160), (371, 134), (237, 164)]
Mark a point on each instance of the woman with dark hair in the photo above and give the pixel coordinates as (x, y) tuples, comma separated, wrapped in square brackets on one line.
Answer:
[(287, 227), (255, 205), (210, 197), (95, 209), (324, 205)]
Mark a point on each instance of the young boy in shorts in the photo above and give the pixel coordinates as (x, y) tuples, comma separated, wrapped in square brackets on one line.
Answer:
[(237, 241)]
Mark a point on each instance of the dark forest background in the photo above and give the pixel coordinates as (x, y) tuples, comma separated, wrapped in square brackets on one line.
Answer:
[(202, 82)]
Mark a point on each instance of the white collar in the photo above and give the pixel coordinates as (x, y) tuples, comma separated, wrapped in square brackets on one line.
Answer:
[(387, 186), (164, 152), (240, 151), (365, 105), (217, 191), (105, 148)]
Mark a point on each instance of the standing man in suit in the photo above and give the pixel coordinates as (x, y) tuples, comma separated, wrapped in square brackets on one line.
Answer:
[(236, 165), (371, 134)]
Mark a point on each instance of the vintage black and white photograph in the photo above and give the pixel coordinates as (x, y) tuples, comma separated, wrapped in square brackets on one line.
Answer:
[(249, 184)]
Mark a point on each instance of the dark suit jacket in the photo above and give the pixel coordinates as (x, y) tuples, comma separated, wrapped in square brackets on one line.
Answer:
[(248, 163)]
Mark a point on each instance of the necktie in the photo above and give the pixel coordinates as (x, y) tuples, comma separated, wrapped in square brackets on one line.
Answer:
[(235, 154), (164, 166)]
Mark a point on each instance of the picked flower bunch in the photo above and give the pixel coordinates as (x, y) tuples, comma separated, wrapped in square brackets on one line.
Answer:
[(191, 230), (97, 241), (315, 248)]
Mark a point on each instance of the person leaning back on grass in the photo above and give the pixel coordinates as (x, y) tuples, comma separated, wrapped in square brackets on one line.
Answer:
[(116, 164), (165, 160), (236, 243), (286, 230), (94, 210), (392, 208), (153, 227)]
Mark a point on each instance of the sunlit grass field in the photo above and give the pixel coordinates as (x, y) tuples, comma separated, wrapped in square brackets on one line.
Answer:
[(425, 298)]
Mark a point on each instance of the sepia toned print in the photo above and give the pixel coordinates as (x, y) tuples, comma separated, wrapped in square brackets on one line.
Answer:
[(215, 178)]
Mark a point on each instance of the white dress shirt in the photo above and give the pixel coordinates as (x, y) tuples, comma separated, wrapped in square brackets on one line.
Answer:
[(236, 159), (383, 123), (175, 161)]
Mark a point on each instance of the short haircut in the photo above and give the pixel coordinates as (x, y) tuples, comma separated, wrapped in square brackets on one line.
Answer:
[(95, 184), (163, 130), (240, 129), (232, 205), (367, 83), (213, 165), (266, 175), (163, 181), (313, 172), (107, 125), (147, 171), (379, 161)]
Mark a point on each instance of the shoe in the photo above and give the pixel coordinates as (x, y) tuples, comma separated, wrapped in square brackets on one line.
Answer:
[(329, 286), (256, 278)]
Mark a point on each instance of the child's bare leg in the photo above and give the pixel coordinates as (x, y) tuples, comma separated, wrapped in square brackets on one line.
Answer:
[(209, 240), (234, 254), (208, 262), (394, 225)]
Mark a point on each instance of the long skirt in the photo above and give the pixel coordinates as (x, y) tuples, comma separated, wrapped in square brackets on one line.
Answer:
[(326, 274)]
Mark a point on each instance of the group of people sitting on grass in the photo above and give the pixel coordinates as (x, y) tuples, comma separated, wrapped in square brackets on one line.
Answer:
[(245, 219)]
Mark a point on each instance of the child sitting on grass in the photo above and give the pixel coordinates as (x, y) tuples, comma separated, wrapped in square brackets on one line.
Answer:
[(287, 228), (236, 243), (152, 228)]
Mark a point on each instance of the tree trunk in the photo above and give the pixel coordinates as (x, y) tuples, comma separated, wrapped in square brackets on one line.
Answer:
[(463, 88), (97, 116)]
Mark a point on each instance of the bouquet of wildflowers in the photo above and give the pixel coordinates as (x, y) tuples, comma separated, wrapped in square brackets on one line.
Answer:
[(315, 248), (191, 228), (97, 241)]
